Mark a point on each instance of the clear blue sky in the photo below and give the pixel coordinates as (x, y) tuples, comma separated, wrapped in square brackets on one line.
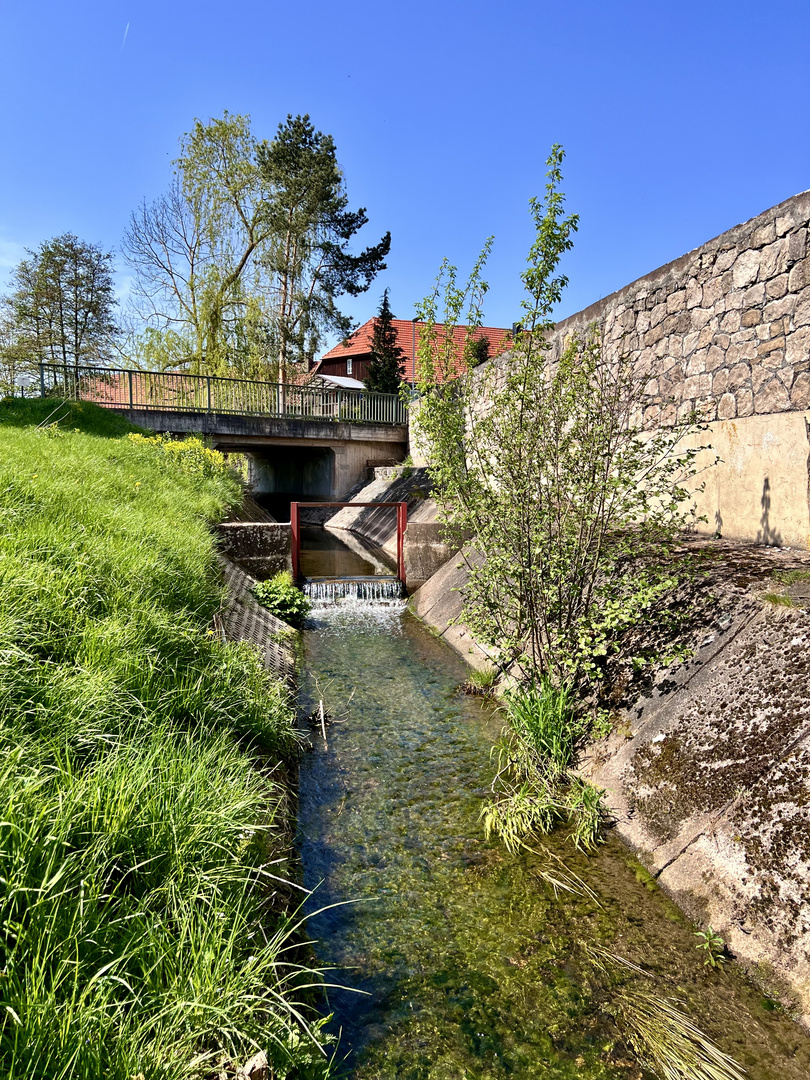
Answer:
[(678, 120)]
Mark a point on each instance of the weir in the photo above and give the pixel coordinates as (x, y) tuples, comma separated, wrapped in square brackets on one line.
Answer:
[(402, 524), (376, 590), (468, 964)]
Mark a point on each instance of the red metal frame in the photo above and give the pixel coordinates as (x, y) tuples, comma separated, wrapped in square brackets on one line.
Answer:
[(402, 524)]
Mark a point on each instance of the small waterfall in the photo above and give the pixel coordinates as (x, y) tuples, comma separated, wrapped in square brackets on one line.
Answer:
[(375, 591)]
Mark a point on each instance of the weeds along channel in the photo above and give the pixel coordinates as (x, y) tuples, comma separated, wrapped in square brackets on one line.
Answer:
[(148, 926)]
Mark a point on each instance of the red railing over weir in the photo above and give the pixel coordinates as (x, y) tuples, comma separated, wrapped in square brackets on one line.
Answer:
[(402, 524)]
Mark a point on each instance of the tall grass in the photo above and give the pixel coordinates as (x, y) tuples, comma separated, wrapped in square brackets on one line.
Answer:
[(148, 926), (534, 789)]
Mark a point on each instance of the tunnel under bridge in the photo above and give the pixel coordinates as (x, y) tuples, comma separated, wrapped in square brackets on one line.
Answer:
[(303, 443)]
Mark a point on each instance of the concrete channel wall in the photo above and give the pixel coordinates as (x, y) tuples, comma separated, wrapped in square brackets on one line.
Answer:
[(262, 547), (425, 549)]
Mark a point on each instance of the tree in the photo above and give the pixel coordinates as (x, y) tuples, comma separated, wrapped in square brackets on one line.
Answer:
[(568, 502), (311, 228), (479, 351), (194, 252), (387, 358), (62, 306), (239, 266)]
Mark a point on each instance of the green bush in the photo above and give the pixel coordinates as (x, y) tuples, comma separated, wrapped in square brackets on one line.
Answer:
[(283, 598)]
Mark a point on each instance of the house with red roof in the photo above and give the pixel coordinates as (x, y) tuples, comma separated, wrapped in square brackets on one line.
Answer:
[(351, 357)]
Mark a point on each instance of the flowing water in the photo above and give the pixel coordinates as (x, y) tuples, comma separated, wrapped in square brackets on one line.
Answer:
[(468, 964)]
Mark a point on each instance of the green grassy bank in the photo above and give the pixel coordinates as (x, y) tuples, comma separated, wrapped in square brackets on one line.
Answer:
[(143, 809)]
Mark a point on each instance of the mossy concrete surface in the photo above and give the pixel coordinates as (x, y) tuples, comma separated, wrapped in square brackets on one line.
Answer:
[(708, 773)]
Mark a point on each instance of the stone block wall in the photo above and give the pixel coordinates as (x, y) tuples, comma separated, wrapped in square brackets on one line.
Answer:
[(725, 330)]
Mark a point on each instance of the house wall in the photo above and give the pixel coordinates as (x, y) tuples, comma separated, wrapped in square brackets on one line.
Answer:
[(725, 330), (339, 367)]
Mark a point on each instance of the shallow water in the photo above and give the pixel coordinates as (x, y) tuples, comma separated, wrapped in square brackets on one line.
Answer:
[(323, 555), (471, 967)]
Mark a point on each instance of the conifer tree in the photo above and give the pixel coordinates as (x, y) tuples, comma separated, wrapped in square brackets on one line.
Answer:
[(385, 370)]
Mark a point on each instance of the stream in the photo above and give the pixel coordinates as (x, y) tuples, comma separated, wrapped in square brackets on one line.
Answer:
[(468, 965)]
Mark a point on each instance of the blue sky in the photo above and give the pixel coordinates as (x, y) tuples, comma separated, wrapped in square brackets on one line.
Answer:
[(678, 120)]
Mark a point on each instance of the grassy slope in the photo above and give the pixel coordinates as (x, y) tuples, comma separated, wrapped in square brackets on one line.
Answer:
[(139, 813)]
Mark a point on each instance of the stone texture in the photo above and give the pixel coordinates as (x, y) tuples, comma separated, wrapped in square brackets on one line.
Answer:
[(800, 393), (771, 397), (746, 269), (732, 317), (799, 276), (726, 407), (745, 402), (798, 348)]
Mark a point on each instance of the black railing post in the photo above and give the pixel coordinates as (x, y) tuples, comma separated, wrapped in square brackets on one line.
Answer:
[(208, 387), (131, 402)]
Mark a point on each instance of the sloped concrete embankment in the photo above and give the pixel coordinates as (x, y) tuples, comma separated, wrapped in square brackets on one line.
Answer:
[(707, 773), (425, 550), (708, 777), (243, 619)]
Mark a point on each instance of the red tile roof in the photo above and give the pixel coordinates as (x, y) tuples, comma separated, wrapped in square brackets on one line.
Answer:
[(359, 344)]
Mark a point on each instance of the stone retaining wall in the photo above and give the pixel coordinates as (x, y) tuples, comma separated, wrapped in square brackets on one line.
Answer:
[(725, 330)]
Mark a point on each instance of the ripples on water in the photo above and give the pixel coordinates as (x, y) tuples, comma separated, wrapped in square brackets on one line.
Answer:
[(472, 968)]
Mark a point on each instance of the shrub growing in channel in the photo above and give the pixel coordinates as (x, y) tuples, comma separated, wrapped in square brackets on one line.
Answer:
[(283, 598)]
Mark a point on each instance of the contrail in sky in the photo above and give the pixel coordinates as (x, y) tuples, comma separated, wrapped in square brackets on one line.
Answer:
[(123, 43)]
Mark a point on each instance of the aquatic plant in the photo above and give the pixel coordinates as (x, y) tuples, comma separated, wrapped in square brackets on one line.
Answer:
[(283, 598), (713, 945), (662, 1036), (534, 789), (481, 681)]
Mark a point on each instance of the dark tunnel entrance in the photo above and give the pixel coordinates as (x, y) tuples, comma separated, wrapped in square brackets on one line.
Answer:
[(280, 475)]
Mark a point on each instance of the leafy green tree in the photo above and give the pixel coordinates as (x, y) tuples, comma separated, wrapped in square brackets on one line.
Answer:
[(479, 351), (198, 281), (545, 465), (62, 309), (387, 358), (239, 266), (16, 364), (310, 229)]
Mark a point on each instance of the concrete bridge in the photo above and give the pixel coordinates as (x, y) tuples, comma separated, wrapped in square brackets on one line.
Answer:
[(302, 442)]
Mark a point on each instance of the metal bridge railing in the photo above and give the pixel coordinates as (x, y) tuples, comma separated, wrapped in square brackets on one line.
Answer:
[(122, 388)]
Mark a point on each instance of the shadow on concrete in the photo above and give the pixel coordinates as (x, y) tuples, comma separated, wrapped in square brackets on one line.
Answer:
[(767, 534)]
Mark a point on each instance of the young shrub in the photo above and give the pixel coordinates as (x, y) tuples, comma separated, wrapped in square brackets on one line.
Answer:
[(283, 598), (559, 497)]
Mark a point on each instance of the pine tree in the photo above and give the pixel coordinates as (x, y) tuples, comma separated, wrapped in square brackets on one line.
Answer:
[(385, 370)]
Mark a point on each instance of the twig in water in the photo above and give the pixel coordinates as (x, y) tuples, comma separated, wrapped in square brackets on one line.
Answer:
[(323, 725)]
